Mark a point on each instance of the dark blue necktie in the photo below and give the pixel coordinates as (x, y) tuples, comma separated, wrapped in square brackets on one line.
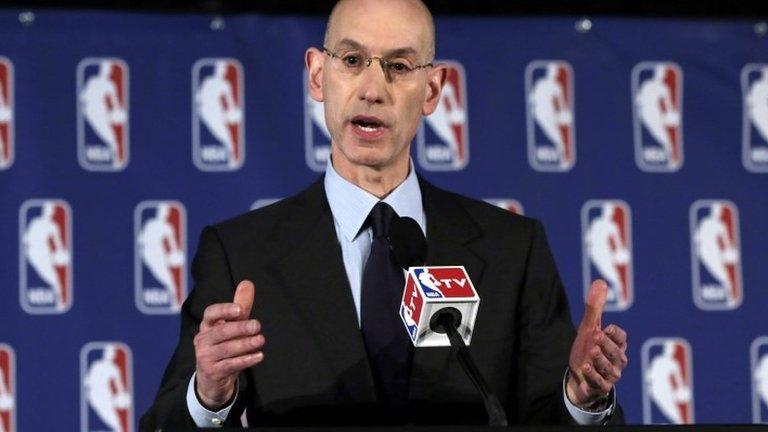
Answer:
[(389, 348)]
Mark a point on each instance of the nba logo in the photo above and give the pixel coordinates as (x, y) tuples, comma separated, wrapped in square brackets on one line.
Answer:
[(102, 114), (754, 84), (657, 92), (410, 308), (550, 115), (443, 136), (606, 227), (7, 389), (160, 256), (6, 113), (45, 256), (510, 205), (263, 202), (667, 381), (759, 361), (218, 119), (715, 255), (317, 138), (106, 393)]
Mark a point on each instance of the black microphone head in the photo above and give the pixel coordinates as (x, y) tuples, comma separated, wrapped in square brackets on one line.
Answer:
[(407, 241)]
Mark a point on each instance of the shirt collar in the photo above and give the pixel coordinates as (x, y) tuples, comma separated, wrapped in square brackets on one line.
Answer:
[(351, 204)]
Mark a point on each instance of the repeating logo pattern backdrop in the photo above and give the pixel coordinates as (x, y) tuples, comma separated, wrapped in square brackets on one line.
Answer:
[(117, 147)]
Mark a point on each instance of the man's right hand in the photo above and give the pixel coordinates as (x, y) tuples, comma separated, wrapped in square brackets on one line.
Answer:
[(227, 343)]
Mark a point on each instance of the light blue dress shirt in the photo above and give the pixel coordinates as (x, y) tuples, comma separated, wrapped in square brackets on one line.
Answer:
[(350, 206)]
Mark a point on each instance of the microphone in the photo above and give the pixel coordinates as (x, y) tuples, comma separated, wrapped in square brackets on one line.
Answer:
[(407, 242), (439, 306)]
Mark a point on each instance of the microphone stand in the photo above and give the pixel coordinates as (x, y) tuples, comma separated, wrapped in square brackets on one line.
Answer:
[(447, 321)]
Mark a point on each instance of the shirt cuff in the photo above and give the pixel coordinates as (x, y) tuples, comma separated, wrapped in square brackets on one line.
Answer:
[(204, 418), (587, 418)]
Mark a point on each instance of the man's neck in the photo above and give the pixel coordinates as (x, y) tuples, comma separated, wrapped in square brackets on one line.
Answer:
[(378, 181)]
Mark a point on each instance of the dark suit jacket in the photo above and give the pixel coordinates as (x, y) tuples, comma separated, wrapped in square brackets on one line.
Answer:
[(316, 371)]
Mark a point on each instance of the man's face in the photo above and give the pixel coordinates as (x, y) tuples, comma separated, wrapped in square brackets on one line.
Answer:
[(372, 117)]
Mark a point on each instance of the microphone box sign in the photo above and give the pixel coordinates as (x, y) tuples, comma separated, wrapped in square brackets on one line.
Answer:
[(429, 289)]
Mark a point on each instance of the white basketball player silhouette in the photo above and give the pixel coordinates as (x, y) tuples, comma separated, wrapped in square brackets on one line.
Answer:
[(6, 114), (105, 389), (607, 250), (215, 104), (757, 103), (715, 248), (102, 108), (430, 281), (44, 248), (665, 384), (317, 112), (550, 109), (656, 110), (6, 398), (448, 113), (5, 108), (160, 251), (760, 378)]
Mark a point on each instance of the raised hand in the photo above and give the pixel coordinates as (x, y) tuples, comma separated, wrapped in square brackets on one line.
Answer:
[(598, 356), (227, 343)]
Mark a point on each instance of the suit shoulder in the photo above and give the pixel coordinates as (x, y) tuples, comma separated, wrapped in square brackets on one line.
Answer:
[(489, 216), (264, 220)]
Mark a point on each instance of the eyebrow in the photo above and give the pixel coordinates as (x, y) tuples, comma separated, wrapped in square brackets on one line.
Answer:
[(349, 43)]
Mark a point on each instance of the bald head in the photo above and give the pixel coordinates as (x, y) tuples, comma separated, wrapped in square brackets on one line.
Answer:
[(413, 9)]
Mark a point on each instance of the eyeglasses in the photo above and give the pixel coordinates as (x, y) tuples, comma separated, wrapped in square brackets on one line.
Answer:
[(351, 63)]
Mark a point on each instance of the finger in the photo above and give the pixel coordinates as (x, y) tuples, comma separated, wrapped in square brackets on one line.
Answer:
[(617, 335), (232, 366), (594, 305), (611, 351), (605, 368), (597, 384), (244, 295), (238, 347), (215, 313), (228, 331)]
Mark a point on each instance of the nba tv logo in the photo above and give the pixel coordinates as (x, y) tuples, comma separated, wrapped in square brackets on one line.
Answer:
[(45, 256), (442, 139), (7, 389), (754, 84), (6, 113), (511, 205), (218, 114), (317, 138), (102, 114), (606, 227), (106, 393), (160, 256), (667, 381), (657, 94), (715, 255), (550, 115), (759, 362)]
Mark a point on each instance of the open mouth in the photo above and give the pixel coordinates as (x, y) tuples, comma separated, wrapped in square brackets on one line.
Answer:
[(367, 124)]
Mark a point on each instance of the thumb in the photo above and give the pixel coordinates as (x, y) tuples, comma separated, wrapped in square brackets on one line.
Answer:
[(244, 294), (593, 312)]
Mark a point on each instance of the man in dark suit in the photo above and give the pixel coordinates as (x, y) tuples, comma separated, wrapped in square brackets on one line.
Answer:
[(300, 273)]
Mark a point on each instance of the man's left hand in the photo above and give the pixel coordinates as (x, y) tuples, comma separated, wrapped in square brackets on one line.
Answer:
[(598, 356)]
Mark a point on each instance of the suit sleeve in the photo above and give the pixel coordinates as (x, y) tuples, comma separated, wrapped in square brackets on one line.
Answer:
[(213, 284), (545, 337)]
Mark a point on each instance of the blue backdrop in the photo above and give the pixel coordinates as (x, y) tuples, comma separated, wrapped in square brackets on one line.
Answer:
[(642, 145)]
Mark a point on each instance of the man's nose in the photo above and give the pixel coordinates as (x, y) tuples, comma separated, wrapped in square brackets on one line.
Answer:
[(373, 83)]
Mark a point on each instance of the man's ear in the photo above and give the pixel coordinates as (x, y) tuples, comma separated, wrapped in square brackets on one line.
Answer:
[(435, 82), (313, 60)]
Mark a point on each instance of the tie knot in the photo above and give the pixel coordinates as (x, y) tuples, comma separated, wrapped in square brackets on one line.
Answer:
[(380, 218)]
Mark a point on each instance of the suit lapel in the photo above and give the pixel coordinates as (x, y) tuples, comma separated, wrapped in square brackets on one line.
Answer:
[(314, 277), (450, 231)]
